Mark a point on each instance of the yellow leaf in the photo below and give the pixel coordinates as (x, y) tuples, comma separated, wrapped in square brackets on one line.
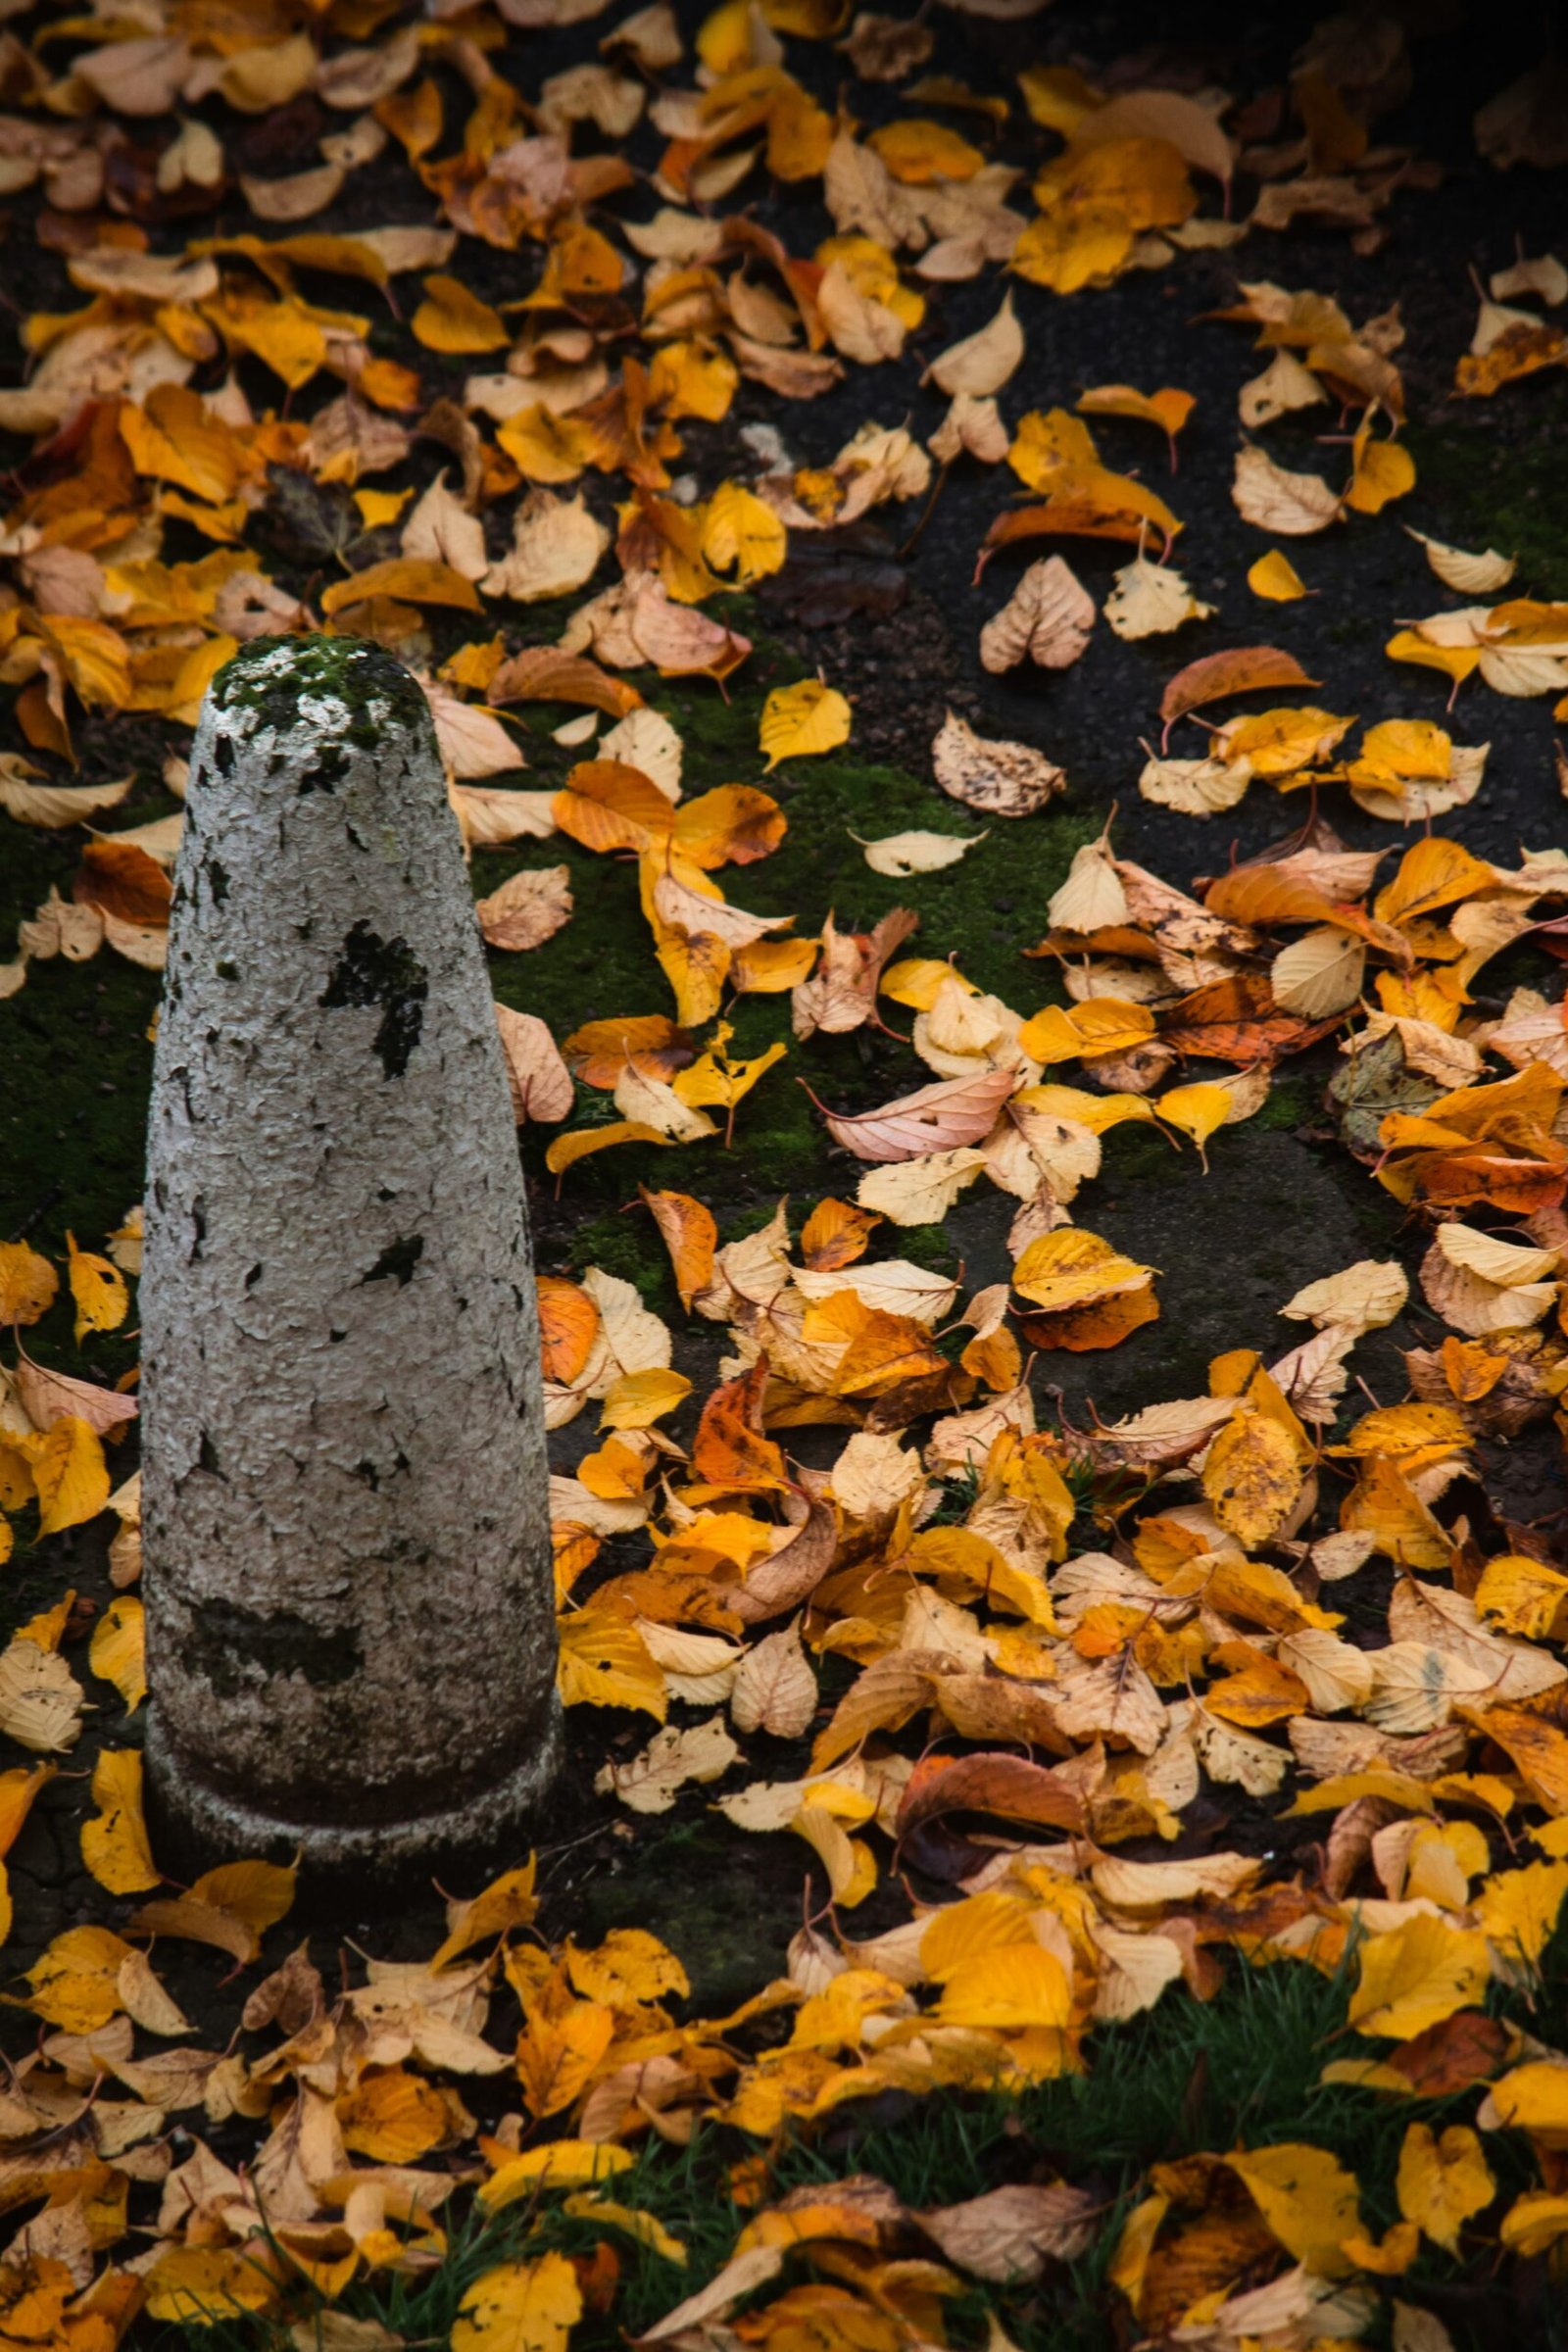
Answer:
[(559, 2164), (507, 1902), (1101, 1025), (1070, 1267), (919, 150), (1435, 874), (451, 318), (116, 1651), (1415, 1976), (28, 1284), (1533, 2223), (1197, 1109), (645, 2228), (420, 581), (1252, 1476), (558, 2057), (1275, 578), (605, 1663), (1443, 2183), (1011, 1987), (113, 1842), (1521, 1596), (99, 1290), (1534, 2098), (17, 1789), (76, 1982), (393, 2117), (742, 531), (802, 720), (68, 1471), (259, 1894), (196, 2285), (640, 1399), (1308, 2200), (1518, 1910), (1384, 471)]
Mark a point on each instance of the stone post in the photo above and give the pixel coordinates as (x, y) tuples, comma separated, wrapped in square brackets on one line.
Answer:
[(350, 1626)]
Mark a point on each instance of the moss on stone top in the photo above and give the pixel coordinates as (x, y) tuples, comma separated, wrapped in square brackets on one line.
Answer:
[(355, 670)]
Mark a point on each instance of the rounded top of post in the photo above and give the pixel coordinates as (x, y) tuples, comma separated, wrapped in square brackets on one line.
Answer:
[(273, 679)]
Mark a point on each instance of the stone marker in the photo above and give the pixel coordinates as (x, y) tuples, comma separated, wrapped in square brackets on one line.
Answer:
[(350, 1626)]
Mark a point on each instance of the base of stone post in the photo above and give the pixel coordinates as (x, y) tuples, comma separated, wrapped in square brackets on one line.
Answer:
[(192, 1826)]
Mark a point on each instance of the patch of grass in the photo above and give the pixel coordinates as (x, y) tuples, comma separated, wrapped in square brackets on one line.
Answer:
[(1241, 2071), (1501, 493), (628, 1246)]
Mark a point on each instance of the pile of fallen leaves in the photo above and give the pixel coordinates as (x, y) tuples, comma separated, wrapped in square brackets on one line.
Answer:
[(1059, 1640)]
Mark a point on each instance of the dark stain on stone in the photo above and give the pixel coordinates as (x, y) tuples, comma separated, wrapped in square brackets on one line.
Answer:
[(397, 1261), (217, 880), (373, 970), (230, 1644)]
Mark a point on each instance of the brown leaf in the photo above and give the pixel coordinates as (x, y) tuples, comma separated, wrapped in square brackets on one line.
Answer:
[(540, 1081), (991, 774), (935, 1118), (775, 1689), (989, 1783), (1049, 617), (1244, 670), (529, 907), (841, 994), (1009, 2234), (790, 1575)]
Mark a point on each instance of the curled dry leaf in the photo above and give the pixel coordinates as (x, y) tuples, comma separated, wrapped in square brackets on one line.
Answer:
[(1244, 670), (555, 547), (1471, 575), (1048, 617), (54, 806), (1009, 2234), (776, 1688), (902, 853), (982, 363), (529, 907), (935, 1118), (541, 1084), (653, 1779), (990, 774), (1293, 505)]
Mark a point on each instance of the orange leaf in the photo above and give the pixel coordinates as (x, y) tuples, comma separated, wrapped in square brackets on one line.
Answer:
[(989, 1783), (121, 880), (835, 1235), (569, 1325), (690, 1236), (649, 1041), (605, 805), (1244, 670), (935, 1118), (730, 1451), (422, 581)]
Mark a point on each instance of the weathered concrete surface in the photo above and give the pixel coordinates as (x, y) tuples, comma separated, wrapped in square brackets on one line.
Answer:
[(349, 1631)]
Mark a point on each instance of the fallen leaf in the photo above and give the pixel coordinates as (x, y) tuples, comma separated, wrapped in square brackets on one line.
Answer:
[(994, 776), (1048, 617), (904, 853), (803, 720), (529, 907)]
